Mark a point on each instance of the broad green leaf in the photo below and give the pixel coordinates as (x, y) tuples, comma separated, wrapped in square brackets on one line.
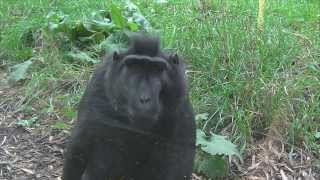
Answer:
[(18, 72), (81, 29), (60, 125), (108, 47), (82, 57), (117, 17), (99, 22), (90, 34), (24, 54), (100, 15), (216, 145), (94, 38), (69, 112), (133, 26), (27, 122), (114, 42), (317, 135), (201, 117), (210, 166), (52, 26), (134, 14), (58, 22), (102, 26)]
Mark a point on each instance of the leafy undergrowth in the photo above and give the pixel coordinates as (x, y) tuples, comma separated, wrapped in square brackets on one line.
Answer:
[(259, 89), (82, 43)]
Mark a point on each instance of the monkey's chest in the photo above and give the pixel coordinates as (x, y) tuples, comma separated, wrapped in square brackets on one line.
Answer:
[(133, 146)]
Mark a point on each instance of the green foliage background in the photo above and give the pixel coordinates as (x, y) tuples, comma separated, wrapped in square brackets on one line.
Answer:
[(246, 81)]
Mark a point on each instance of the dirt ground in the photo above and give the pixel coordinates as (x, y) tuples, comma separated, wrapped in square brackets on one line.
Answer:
[(36, 153), (26, 153)]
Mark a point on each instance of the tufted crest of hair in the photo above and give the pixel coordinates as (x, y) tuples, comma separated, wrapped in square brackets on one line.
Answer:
[(145, 45)]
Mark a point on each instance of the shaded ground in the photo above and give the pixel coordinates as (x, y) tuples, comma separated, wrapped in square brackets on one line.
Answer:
[(30, 155), (26, 153), (36, 153), (270, 160)]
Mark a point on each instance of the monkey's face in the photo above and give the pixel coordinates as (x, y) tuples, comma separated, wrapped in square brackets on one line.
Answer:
[(138, 88)]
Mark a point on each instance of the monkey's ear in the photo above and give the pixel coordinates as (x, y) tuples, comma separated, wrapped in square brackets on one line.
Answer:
[(116, 56), (174, 58)]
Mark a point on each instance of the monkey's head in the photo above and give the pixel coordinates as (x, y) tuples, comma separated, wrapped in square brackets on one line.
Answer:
[(143, 81)]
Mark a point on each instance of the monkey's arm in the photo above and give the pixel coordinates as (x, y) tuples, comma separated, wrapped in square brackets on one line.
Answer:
[(170, 163), (76, 158)]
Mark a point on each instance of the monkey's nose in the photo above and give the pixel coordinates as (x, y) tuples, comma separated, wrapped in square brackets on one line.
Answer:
[(145, 99)]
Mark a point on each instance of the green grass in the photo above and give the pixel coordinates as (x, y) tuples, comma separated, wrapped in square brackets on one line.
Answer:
[(249, 79)]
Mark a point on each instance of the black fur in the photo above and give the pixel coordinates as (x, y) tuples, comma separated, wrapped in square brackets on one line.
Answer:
[(148, 45), (145, 134)]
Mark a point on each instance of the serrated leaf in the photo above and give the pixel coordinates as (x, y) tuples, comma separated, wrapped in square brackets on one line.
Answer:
[(19, 71), (117, 17), (216, 145), (26, 122)]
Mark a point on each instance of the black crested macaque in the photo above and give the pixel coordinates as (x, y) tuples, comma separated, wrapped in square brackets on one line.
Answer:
[(135, 121)]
